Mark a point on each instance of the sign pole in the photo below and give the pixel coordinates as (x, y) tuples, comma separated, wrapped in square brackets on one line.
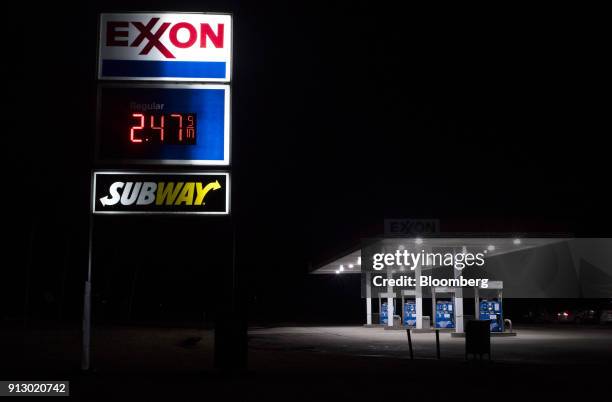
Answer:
[(86, 347)]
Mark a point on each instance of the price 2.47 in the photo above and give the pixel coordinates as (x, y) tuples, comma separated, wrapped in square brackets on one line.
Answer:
[(171, 128)]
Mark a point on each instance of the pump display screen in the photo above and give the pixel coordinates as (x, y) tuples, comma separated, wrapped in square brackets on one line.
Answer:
[(164, 123)]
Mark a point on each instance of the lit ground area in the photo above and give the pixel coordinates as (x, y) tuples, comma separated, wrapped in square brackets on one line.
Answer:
[(552, 345), (311, 363)]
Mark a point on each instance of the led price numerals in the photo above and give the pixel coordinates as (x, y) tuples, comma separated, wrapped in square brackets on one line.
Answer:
[(174, 128)]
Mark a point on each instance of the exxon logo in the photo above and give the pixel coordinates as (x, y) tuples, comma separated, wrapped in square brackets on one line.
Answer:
[(165, 46), (150, 35)]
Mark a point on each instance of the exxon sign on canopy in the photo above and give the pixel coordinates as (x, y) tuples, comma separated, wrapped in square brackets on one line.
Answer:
[(165, 47)]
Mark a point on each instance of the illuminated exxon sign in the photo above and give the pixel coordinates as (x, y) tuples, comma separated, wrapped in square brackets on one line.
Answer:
[(165, 46)]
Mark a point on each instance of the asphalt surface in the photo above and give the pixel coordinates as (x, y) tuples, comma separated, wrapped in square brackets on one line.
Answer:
[(311, 363), (532, 345)]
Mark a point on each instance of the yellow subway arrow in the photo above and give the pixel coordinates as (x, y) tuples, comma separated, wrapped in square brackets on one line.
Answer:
[(203, 191)]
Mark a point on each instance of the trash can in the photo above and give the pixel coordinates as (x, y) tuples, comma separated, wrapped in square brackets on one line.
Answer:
[(478, 338)]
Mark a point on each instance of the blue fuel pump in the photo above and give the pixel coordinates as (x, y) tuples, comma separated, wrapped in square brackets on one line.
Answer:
[(410, 315), (445, 316), (492, 310), (384, 314)]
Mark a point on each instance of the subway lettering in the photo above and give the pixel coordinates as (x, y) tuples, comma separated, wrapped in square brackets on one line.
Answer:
[(160, 193)]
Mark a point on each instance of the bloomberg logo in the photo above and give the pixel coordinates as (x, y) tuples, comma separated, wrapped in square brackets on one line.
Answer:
[(165, 47)]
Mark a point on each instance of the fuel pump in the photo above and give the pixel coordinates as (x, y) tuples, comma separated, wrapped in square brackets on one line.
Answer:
[(445, 316), (410, 315), (492, 310), (384, 314), (490, 307)]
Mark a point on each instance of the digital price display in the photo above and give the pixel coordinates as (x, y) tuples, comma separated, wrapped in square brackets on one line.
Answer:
[(160, 128), (163, 123)]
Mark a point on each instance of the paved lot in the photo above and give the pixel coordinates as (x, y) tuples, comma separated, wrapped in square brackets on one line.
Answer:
[(537, 345), (310, 363)]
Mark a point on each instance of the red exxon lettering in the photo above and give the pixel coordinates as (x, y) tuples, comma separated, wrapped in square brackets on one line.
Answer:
[(153, 38), (117, 35), (193, 35), (215, 38)]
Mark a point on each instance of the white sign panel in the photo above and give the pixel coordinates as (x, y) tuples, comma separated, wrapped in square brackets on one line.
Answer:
[(165, 47)]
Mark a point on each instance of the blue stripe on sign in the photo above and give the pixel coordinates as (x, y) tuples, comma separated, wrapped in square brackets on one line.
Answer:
[(163, 69)]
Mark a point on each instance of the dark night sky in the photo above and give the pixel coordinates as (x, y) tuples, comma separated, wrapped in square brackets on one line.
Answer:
[(343, 114)]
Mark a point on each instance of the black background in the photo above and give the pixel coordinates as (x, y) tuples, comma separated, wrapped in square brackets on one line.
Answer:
[(343, 114)]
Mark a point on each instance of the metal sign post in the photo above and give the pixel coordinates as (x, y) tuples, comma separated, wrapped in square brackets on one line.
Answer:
[(85, 355)]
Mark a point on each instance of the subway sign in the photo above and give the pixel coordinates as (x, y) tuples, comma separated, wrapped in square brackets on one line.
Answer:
[(165, 46), (199, 193)]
